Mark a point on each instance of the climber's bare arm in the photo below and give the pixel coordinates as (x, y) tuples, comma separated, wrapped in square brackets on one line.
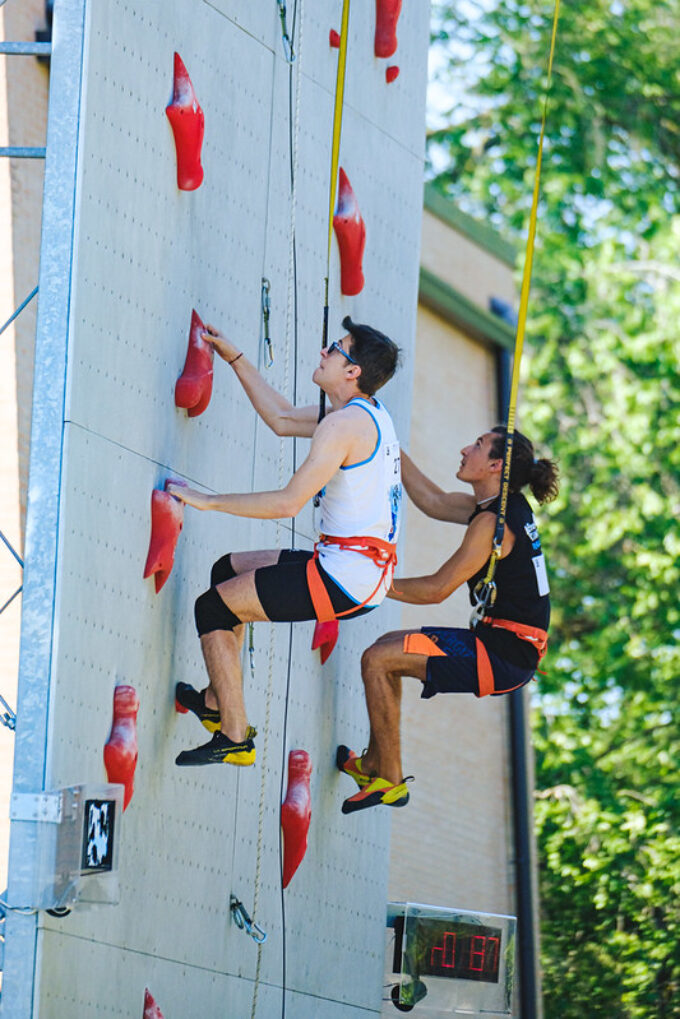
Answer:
[(274, 409)]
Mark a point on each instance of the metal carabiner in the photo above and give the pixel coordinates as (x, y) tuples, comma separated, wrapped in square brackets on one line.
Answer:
[(8, 717), (266, 309), (287, 44), (243, 921), (484, 595), (251, 648)]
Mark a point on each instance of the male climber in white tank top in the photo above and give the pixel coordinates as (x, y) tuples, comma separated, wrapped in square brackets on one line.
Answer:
[(354, 462)]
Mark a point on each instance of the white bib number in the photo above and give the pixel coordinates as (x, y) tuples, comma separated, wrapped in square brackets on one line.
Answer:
[(541, 574)]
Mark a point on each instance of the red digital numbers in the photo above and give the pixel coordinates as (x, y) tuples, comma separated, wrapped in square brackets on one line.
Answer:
[(477, 953), (468, 952), (496, 944), (479, 962), (447, 950)]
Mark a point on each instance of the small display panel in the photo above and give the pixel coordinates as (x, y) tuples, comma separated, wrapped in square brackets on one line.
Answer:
[(98, 830), (460, 950)]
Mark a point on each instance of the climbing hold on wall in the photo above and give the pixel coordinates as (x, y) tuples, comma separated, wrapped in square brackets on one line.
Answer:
[(120, 750), (387, 15), (167, 518), (391, 73), (334, 39), (296, 812), (151, 1009), (351, 233), (325, 637), (187, 122), (193, 388)]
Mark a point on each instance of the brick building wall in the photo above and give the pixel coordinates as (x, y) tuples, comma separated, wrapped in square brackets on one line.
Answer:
[(23, 118)]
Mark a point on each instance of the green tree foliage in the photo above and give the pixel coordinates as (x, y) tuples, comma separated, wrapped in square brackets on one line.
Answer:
[(602, 395)]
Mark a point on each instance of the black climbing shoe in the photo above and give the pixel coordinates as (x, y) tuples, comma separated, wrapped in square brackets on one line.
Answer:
[(220, 750), (187, 698)]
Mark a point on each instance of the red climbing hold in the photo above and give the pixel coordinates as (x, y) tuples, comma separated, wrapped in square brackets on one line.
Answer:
[(296, 812), (187, 122), (387, 15), (391, 73), (351, 233), (334, 39), (167, 518), (193, 388), (120, 750), (325, 637), (151, 1009)]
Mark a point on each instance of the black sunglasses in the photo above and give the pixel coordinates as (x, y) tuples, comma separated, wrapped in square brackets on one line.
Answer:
[(335, 345)]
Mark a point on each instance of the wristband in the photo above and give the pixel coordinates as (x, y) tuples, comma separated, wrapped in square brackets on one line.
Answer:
[(236, 358)]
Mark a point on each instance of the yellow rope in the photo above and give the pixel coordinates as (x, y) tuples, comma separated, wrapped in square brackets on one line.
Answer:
[(335, 159), (337, 125), (484, 590)]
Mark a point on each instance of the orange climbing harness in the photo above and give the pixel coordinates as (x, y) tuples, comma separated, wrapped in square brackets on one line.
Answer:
[(533, 634), (382, 553)]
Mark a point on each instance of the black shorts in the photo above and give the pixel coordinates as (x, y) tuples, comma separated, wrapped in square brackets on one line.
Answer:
[(284, 593), (452, 663)]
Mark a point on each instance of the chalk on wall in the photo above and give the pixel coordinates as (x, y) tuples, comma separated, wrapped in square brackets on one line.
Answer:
[(296, 812), (351, 233), (120, 750), (188, 124)]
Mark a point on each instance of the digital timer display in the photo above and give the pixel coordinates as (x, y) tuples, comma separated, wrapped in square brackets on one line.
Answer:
[(450, 948), (461, 950)]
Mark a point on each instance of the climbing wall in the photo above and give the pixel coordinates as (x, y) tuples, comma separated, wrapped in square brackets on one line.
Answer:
[(139, 255)]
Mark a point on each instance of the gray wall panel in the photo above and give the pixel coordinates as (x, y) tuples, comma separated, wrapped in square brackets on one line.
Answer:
[(145, 254)]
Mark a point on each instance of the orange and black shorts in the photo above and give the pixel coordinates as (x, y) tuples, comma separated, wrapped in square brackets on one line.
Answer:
[(458, 662)]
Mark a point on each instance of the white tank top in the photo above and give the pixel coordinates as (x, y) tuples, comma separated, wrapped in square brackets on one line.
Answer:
[(363, 499)]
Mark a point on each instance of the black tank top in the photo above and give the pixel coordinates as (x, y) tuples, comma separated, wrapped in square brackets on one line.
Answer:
[(522, 592)]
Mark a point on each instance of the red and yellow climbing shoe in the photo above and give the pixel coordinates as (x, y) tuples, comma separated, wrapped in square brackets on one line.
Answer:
[(348, 762), (220, 750), (378, 791)]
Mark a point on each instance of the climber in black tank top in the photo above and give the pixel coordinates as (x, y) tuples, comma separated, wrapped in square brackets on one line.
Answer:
[(502, 652), (522, 591)]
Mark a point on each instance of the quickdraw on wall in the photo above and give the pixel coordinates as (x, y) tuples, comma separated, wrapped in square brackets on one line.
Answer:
[(485, 591)]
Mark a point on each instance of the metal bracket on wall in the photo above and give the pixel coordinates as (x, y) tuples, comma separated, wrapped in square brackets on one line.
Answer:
[(46, 807), (42, 50)]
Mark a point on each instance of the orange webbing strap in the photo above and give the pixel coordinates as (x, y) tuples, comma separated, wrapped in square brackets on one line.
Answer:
[(323, 606), (382, 553), (484, 670), (533, 634)]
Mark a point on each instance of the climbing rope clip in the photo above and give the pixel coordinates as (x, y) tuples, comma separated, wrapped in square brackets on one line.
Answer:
[(484, 595), (242, 920), (8, 717), (251, 648), (287, 44), (266, 309)]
